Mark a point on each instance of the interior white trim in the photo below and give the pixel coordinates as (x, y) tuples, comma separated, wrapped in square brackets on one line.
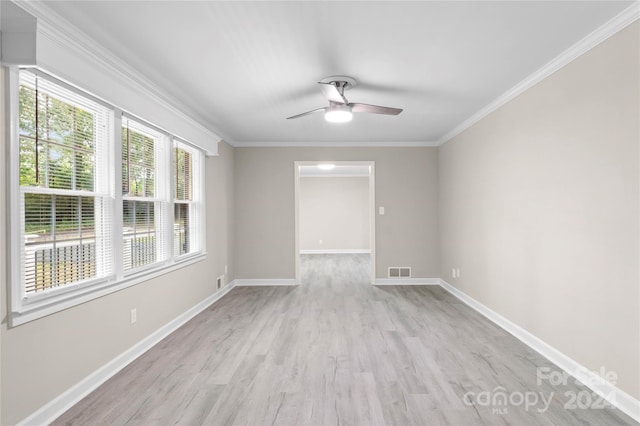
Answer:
[(407, 281), (75, 296), (336, 251), (333, 144), (612, 394), (251, 282), (372, 208), (617, 23), (56, 407), (58, 31), (53, 409), (335, 175)]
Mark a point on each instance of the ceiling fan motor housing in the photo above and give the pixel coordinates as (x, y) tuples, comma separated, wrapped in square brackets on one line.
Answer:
[(340, 81)]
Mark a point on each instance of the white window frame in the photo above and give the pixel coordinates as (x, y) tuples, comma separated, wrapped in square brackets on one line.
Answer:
[(196, 205), (161, 195), (24, 309)]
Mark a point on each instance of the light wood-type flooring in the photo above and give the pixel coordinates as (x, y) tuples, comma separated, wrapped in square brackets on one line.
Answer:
[(338, 351)]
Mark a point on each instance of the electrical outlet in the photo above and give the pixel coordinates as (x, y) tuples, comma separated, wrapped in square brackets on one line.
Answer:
[(381, 211), (134, 315), (453, 272), (320, 242), (226, 269), (457, 272)]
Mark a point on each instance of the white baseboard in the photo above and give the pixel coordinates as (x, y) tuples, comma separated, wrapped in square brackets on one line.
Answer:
[(337, 251), (56, 407), (290, 281), (612, 394), (407, 281), (245, 282)]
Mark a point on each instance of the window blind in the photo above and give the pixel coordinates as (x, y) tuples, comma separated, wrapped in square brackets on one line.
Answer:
[(64, 183), (143, 206), (185, 229), (138, 161), (183, 174)]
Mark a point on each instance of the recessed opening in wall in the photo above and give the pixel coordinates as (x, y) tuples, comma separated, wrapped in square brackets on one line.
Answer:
[(334, 216)]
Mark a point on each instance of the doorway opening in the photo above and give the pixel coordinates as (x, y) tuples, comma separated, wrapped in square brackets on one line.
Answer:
[(334, 210)]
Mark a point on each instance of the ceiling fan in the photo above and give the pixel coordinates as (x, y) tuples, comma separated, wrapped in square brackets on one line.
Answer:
[(340, 110)]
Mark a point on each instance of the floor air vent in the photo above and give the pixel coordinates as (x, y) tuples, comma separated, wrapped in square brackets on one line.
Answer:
[(399, 272)]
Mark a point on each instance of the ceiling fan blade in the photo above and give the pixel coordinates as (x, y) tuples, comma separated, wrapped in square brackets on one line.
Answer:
[(332, 93), (374, 109), (306, 113)]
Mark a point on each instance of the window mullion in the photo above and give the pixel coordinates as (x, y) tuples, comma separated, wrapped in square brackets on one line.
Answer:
[(199, 195), (172, 195), (15, 216), (118, 233), (54, 252), (165, 222)]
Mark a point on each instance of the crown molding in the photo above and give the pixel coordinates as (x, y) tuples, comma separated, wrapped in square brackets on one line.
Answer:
[(56, 27), (333, 144), (60, 30), (614, 25)]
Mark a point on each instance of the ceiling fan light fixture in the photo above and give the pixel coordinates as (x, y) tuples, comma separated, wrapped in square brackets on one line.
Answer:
[(338, 114), (326, 166), (340, 110)]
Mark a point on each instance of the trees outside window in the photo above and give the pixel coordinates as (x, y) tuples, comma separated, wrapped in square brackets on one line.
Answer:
[(93, 211), (60, 196), (183, 226)]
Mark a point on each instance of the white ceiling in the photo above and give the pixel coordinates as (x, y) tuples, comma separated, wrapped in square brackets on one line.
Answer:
[(242, 67)]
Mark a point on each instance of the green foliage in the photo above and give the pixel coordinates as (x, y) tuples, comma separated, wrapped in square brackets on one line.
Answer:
[(184, 166), (56, 151), (138, 164), (72, 215), (63, 157)]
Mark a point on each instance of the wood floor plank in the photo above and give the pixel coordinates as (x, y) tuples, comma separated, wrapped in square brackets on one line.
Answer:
[(335, 351)]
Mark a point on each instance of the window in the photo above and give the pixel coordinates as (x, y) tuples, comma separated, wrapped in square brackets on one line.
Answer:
[(64, 191), (76, 237), (185, 203), (142, 201)]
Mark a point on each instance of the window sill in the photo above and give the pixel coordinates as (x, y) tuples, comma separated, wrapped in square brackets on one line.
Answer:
[(56, 303)]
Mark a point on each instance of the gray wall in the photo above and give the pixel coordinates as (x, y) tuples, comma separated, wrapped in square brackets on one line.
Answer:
[(43, 358), (220, 210), (406, 185), (334, 210), (539, 209)]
